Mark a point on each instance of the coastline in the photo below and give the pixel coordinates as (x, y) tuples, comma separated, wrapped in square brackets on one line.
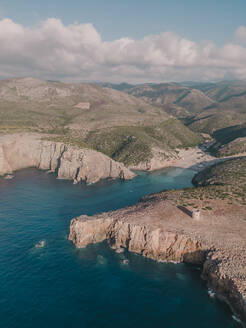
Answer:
[(19, 151), (155, 227), (193, 158), (158, 229)]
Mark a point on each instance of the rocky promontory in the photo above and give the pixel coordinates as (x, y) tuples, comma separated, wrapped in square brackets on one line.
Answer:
[(159, 229), (19, 151)]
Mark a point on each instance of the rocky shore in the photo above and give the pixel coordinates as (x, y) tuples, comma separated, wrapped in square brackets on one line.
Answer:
[(158, 229), (19, 151)]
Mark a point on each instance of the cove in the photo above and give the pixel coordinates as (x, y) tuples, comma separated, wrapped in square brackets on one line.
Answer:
[(60, 286)]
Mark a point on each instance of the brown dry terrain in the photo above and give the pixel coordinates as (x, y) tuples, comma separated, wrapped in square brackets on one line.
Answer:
[(126, 128), (218, 109), (166, 226)]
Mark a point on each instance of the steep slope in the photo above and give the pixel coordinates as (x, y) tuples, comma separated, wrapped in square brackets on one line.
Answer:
[(19, 151), (229, 141), (228, 110), (221, 91), (174, 98), (120, 125), (138, 146), (28, 103), (203, 107), (162, 227), (212, 120), (237, 146)]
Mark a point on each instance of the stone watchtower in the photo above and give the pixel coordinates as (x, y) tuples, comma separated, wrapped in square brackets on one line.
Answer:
[(196, 214)]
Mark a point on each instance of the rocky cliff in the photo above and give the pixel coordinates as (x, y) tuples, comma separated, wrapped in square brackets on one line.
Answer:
[(142, 239), (157, 229), (20, 151)]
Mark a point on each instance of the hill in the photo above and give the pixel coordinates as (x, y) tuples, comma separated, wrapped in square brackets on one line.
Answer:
[(225, 181), (204, 107), (212, 108), (29, 103), (181, 101), (120, 125), (228, 109), (135, 145)]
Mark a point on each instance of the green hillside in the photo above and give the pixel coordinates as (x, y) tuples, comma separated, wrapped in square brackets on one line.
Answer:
[(132, 145)]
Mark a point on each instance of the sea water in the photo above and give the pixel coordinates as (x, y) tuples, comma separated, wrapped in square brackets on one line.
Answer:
[(46, 282)]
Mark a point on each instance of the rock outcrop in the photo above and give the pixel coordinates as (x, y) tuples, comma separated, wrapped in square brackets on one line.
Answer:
[(19, 151), (142, 239), (157, 229)]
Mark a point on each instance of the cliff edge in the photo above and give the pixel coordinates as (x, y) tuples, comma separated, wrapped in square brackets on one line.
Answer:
[(158, 229), (19, 151)]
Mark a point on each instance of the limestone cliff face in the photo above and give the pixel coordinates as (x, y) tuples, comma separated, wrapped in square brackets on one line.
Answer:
[(142, 239), (26, 150), (228, 290), (156, 229)]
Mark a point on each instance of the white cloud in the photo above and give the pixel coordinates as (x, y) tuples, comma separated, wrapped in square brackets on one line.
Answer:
[(52, 50)]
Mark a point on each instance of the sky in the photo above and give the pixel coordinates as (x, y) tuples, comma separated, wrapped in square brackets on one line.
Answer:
[(123, 40)]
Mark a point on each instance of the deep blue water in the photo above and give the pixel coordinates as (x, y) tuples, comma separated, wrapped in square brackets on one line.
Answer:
[(61, 286)]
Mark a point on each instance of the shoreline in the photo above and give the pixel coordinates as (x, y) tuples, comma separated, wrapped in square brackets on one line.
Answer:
[(194, 159), (181, 240), (157, 229), (19, 151)]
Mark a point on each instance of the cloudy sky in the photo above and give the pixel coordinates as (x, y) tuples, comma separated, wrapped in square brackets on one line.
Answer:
[(123, 40)]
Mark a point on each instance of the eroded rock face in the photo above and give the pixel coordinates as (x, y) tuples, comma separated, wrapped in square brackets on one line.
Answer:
[(29, 150), (229, 290), (142, 239), (157, 229)]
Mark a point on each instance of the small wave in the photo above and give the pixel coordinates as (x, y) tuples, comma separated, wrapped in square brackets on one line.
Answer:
[(125, 262), (40, 244), (236, 318), (120, 250), (211, 293), (8, 177)]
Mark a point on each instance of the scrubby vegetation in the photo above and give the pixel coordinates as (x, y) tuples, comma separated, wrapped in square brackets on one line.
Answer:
[(30, 104), (132, 145), (68, 140), (237, 146), (229, 141), (226, 181)]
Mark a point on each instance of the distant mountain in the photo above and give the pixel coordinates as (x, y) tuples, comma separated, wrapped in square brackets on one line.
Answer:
[(175, 99), (203, 106), (228, 110), (167, 94), (199, 103), (120, 87)]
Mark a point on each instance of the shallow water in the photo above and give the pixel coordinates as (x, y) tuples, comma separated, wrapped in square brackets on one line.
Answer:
[(47, 282)]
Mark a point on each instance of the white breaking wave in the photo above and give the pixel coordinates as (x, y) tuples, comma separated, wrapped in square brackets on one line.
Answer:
[(211, 293), (40, 244)]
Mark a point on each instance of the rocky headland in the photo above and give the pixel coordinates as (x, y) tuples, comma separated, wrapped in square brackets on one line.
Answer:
[(201, 229), (19, 151)]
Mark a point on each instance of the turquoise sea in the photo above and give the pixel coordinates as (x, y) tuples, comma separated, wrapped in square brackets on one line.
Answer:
[(45, 282)]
